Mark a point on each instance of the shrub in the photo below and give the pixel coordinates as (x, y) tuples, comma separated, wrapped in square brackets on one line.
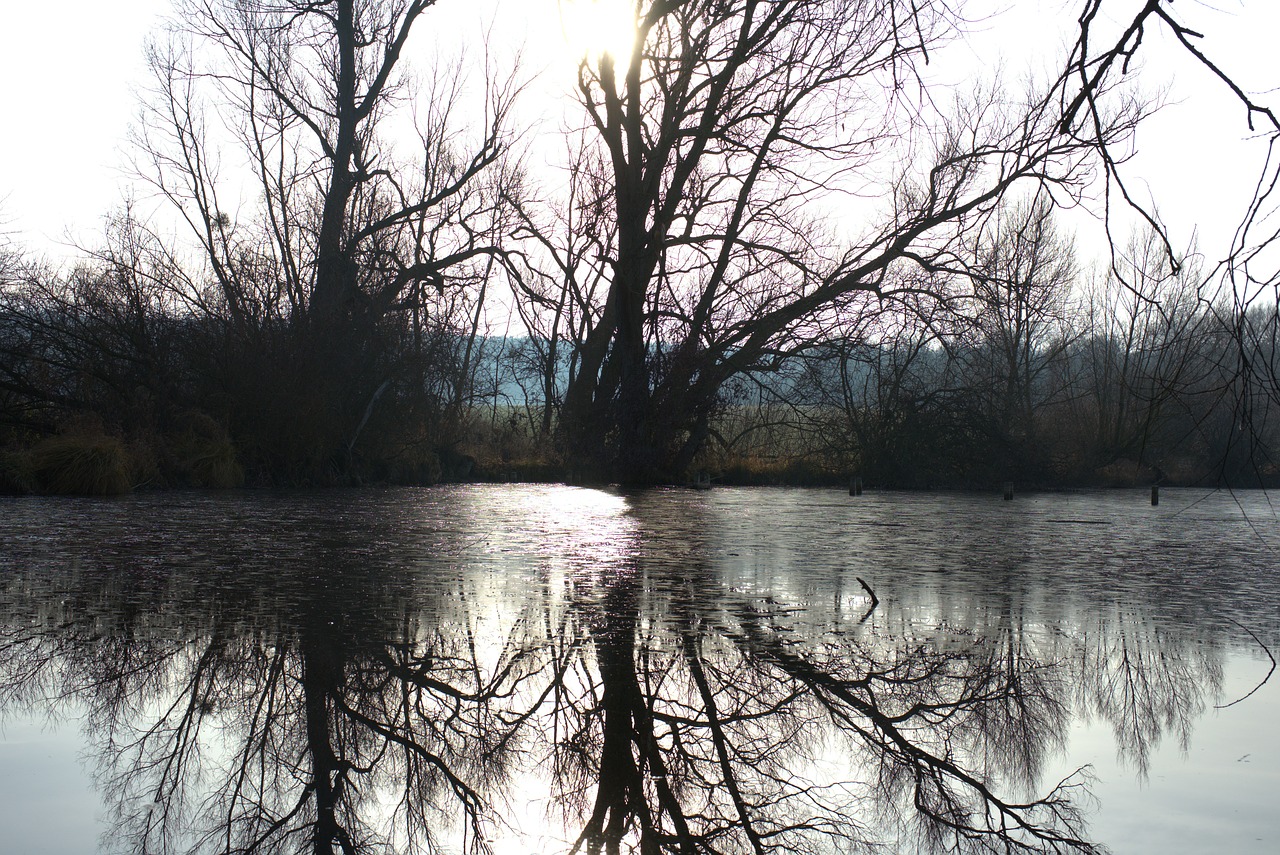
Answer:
[(77, 464), (13, 478), (204, 455)]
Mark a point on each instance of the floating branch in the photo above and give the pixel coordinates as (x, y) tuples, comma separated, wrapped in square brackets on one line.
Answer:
[(875, 601)]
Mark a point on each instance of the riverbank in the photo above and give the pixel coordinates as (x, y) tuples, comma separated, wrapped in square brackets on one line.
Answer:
[(103, 466)]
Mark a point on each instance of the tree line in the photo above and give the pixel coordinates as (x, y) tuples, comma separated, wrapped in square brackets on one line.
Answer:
[(773, 236)]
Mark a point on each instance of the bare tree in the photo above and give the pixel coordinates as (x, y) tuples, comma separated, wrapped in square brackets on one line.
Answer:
[(890, 395), (727, 131), (1107, 50), (345, 229), (561, 283), (1144, 331), (1023, 271)]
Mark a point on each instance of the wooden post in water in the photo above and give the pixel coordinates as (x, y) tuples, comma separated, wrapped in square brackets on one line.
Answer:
[(1008, 491), (1155, 495), (855, 486)]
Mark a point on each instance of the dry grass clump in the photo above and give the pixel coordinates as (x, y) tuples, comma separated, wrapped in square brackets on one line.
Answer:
[(77, 465), (215, 465), (12, 476), (413, 465), (204, 455)]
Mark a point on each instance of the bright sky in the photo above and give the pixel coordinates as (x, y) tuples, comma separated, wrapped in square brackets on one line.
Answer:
[(69, 72), (72, 71)]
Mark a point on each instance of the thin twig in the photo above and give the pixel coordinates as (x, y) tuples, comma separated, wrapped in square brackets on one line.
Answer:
[(1265, 650)]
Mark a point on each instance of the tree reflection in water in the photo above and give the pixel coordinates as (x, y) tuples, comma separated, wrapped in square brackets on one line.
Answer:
[(358, 710), (286, 719), (721, 729)]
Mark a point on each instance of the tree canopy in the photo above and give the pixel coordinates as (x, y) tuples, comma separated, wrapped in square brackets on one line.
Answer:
[(749, 184)]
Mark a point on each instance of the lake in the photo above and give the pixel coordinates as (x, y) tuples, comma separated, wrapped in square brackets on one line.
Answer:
[(542, 669)]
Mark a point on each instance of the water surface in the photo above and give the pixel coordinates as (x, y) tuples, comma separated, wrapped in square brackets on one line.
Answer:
[(539, 668)]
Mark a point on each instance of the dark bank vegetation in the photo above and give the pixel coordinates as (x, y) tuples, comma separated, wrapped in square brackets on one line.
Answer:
[(703, 287), (111, 383)]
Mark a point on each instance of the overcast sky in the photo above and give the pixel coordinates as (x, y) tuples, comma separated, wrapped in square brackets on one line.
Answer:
[(71, 72)]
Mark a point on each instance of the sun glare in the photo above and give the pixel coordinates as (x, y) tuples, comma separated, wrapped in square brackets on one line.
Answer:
[(598, 28)]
